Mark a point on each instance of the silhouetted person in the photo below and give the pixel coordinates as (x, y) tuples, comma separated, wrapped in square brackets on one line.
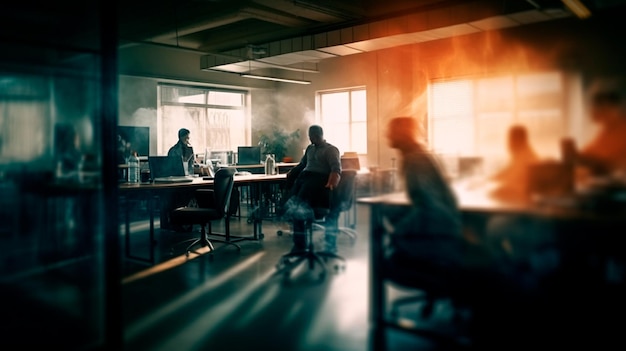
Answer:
[(605, 154), (318, 172), (184, 150), (433, 212), (512, 180)]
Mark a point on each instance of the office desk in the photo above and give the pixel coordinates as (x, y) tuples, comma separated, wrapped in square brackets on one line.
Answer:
[(585, 235), (151, 192), (282, 167)]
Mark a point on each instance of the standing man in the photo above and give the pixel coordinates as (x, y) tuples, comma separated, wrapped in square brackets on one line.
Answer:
[(317, 173)]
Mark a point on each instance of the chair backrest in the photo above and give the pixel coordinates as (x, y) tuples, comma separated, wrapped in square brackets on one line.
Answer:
[(343, 195), (223, 187)]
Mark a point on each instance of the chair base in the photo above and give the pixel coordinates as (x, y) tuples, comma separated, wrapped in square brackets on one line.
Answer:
[(290, 261), (349, 232), (203, 240)]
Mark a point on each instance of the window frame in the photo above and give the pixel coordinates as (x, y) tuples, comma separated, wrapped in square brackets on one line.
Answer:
[(327, 125)]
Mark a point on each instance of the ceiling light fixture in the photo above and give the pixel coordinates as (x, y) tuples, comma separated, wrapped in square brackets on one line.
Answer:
[(287, 68), (276, 79)]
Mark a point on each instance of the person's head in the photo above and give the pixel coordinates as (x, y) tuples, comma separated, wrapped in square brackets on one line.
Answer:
[(518, 138), (608, 100), (183, 136), (402, 133), (316, 134)]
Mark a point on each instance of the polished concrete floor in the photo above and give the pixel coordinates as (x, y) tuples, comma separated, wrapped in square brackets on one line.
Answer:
[(233, 300)]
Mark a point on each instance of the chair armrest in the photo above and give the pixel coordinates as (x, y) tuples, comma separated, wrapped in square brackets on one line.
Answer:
[(205, 198)]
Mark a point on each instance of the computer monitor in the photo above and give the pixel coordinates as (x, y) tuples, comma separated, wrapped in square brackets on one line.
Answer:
[(165, 166), (248, 155)]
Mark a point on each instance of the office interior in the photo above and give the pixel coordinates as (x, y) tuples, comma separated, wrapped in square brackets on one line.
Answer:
[(63, 259)]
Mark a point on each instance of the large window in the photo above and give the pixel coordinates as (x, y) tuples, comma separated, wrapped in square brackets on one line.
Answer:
[(217, 118), (343, 115), (470, 117)]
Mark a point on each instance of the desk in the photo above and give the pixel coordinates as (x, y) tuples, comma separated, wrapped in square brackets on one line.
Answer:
[(151, 191), (282, 167), (588, 235)]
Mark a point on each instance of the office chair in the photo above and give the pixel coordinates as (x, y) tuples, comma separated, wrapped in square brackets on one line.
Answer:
[(422, 285), (342, 201), (213, 205), (316, 220)]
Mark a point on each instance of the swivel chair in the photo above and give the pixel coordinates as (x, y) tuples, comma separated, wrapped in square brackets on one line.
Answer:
[(341, 201), (421, 283), (318, 219), (213, 205)]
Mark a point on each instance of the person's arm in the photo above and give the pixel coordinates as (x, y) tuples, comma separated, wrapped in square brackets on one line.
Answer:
[(300, 166), (334, 161)]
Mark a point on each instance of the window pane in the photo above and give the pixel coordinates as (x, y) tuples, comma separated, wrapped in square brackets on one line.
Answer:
[(495, 94), (212, 127), (344, 117), (224, 98), (335, 107), (359, 138), (180, 94), (453, 136), (359, 106), (451, 99)]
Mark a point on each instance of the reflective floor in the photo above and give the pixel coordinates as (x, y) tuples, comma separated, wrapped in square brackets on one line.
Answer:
[(235, 301)]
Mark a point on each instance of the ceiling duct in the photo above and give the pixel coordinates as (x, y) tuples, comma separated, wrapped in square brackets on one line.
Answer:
[(304, 52)]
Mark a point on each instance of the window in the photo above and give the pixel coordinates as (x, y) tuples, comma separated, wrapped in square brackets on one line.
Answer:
[(471, 117), (217, 118), (343, 115)]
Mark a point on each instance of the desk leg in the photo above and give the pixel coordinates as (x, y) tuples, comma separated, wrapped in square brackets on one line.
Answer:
[(151, 241), (377, 297)]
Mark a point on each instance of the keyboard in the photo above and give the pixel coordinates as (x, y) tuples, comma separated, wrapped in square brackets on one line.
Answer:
[(174, 179)]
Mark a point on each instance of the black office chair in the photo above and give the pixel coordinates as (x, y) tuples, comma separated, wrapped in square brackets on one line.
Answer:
[(419, 284), (213, 205), (340, 199)]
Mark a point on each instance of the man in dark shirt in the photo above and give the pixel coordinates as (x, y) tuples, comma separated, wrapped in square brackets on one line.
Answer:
[(184, 150), (317, 173)]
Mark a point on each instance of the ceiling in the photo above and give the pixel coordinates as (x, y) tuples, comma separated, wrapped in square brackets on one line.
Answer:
[(239, 36)]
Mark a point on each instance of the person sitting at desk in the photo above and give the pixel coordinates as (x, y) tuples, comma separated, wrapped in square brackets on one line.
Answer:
[(512, 180), (309, 183), (183, 150), (433, 211), (605, 154)]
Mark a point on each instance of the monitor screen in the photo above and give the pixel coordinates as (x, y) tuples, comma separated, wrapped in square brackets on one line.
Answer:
[(165, 166), (248, 155)]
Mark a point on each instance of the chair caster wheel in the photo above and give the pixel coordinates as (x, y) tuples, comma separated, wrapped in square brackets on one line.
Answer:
[(261, 236), (279, 233)]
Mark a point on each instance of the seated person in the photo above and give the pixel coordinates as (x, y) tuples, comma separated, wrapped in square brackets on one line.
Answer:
[(605, 154), (309, 183), (512, 238), (173, 200), (431, 229), (512, 180)]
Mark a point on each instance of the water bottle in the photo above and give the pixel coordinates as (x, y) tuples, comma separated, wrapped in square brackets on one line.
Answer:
[(133, 168), (270, 165)]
